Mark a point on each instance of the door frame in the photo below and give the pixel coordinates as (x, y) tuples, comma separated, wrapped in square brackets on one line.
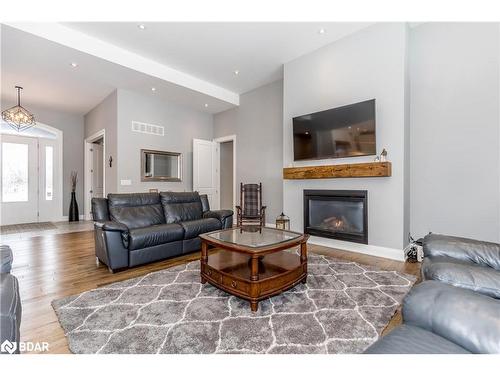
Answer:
[(59, 138), (86, 170), (229, 138)]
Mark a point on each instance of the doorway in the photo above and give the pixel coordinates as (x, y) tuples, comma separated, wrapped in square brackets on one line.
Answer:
[(95, 170), (31, 175), (227, 175), (214, 171)]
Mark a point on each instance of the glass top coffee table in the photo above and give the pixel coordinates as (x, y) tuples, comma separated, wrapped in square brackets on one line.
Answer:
[(251, 262)]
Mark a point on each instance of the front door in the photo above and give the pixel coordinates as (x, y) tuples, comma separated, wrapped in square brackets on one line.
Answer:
[(31, 188), (206, 169), (19, 180)]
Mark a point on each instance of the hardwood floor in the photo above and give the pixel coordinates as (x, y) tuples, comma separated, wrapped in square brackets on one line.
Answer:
[(55, 266)]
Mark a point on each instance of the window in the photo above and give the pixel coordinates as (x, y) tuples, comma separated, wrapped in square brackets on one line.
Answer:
[(49, 172), (14, 172)]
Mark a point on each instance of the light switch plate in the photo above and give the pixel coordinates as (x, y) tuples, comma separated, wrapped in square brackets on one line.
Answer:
[(126, 182)]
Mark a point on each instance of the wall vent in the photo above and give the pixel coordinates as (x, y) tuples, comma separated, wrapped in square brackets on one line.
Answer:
[(142, 127)]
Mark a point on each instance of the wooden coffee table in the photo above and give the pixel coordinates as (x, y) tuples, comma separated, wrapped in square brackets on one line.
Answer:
[(251, 263)]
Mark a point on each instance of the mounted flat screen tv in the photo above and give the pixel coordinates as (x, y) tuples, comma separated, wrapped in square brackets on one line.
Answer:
[(336, 133)]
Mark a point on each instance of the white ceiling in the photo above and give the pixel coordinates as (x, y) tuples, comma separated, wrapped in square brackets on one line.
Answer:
[(208, 51), (213, 51), (43, 68)]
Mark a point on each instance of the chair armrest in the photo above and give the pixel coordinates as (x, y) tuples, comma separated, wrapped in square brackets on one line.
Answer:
[(464, 317), (218, 214), (465, 249), (111, 226)]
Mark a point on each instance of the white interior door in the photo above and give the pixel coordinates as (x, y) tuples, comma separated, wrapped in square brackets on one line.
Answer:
[(97, 187), (206, 170), (49, 188), (19, 170)]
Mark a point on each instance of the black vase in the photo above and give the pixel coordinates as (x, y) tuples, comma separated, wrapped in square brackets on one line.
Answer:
[(73, 208)]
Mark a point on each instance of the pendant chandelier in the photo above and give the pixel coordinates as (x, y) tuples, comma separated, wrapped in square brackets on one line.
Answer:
[(19, 117)]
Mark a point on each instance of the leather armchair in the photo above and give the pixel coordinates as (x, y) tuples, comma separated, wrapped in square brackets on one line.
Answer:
[(440, 318), (462, 262)]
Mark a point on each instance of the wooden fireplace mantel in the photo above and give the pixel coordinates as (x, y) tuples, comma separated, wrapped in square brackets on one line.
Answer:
[(374, 169)]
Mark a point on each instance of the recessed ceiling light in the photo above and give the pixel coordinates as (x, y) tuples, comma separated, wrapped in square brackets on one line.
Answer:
[(74, 64), (321, 31), (153, 89), (141, 26), (206, 105), (236, 72)]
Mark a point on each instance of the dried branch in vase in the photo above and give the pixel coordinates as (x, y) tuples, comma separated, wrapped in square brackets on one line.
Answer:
[(74, 180)]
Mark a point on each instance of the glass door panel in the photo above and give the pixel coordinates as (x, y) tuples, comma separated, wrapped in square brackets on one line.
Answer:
[(19, 180), (14, 172), (49, 181)]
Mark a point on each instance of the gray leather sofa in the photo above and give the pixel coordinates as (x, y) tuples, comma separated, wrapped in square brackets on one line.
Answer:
[(462, 262), (134, 229), (10, 301), (443, 319)]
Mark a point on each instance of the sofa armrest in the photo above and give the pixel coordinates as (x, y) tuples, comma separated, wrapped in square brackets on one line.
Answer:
[(218, 214), (100, 210), (466, 318), (111, 226), (224, 216), (465, 249)]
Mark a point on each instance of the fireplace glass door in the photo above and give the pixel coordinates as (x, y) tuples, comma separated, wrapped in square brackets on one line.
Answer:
[(336, 214)]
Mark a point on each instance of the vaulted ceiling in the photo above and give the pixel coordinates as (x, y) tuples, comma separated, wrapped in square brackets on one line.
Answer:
[(201, 65)]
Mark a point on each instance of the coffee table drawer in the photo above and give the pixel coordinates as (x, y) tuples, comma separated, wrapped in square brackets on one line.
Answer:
[(213, 274), (232, 283)]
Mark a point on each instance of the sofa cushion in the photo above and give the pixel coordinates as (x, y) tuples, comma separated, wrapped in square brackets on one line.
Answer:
[(181, 206), (194, 228), (463, 274), (465, 249), (141, 238), (461, 316), (5, 259), (136, 210), (408, 339)]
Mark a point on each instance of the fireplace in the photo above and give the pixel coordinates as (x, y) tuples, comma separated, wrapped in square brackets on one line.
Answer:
[(339, 214)]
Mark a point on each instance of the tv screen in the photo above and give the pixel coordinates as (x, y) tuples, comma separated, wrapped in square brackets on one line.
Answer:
[(336, 133)]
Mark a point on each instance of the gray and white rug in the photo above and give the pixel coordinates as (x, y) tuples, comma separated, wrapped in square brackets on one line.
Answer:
[(343, 308)]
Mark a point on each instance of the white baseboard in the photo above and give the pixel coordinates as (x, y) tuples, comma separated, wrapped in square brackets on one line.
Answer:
[(376, 251)]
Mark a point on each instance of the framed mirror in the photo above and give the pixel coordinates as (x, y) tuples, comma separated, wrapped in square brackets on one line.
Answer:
[(161, 166)]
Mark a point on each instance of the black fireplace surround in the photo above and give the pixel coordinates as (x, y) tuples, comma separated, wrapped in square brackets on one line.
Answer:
[(338, 214)]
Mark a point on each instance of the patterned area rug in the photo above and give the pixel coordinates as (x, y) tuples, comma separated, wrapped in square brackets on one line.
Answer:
[(343, 308)]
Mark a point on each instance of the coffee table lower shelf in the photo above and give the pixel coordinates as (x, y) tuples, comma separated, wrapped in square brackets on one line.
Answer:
[(232, 272)]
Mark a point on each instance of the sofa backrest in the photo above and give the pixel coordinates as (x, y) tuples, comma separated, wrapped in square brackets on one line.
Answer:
[(136, 210), (181, 206)]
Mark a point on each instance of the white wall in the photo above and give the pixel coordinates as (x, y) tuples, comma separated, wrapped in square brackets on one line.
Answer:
[(257, 124), (455, 167), (368, 64), (104, 116), (181, 126)]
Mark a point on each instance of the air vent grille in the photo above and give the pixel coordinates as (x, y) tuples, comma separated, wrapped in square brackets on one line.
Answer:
[(142, 127)]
